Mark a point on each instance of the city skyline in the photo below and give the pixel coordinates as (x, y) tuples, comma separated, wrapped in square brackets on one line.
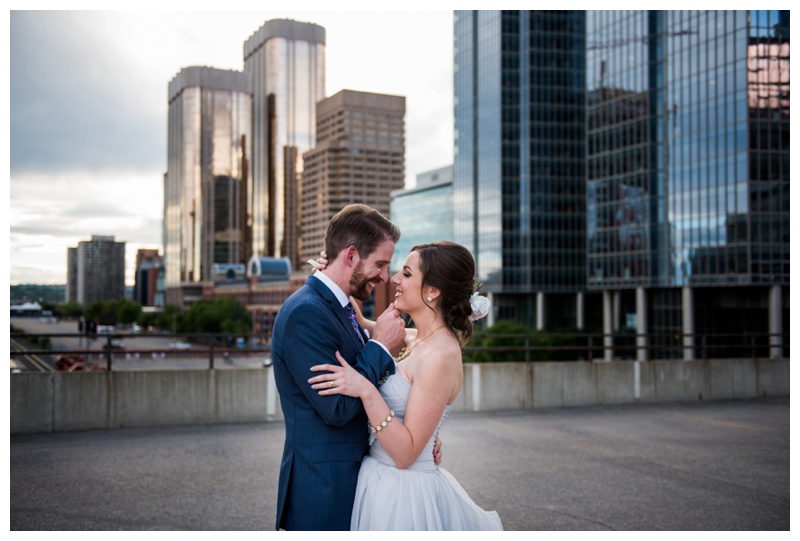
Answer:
[(88, 122)]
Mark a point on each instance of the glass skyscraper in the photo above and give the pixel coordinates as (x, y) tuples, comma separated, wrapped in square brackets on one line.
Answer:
[(205, 192), (688, 173), (636, 161), (432, 200), (287, 62), (519, 182)]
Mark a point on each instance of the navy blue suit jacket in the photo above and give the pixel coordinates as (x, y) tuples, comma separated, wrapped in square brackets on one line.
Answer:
[(326, 436)]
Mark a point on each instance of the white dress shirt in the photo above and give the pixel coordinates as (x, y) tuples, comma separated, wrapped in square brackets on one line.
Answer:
[(342, 298)]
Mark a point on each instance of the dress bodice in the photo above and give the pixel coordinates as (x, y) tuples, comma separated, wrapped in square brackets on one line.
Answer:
[(395, 391)]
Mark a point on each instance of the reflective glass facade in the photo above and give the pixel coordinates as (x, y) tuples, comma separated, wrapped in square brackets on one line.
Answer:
[(287, 62), (424, 214), (205, 191), (662, 136), (688, 148), (519, 166), (688, 174)]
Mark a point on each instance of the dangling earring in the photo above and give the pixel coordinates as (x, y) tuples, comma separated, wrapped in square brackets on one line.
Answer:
[(430, 298)]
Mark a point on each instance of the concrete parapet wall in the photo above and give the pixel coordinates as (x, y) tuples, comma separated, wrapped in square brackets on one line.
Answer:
[(243, 399), (99, 400), (569, 384), (32, 402), (81, 400), (773, 377), (65, 401)]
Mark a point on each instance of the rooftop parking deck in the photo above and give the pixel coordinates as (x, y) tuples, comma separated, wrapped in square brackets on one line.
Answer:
[(721, 465)]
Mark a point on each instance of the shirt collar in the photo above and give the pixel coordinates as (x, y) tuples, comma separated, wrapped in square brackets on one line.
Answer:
[(333, 287)]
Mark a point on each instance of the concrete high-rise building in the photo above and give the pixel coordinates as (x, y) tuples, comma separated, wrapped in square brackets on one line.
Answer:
[(71, 291), (207, 211), (688, 176), (96, 270), (146, 276), (431, 198), (286, 60), (519, 179), (359, 158)]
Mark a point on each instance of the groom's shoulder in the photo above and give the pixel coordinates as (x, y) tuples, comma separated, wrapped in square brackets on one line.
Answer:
[(308, 293), (310, 289)]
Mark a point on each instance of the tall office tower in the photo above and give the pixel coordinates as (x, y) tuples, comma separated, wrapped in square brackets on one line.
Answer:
[(688, 176), (148, 263), (519, 170), (359, 158), (96, 270), (287, 62), (206, 212), (432, 199)]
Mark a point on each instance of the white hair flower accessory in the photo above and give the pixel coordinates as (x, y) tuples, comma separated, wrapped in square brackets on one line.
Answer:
[(480, 306)]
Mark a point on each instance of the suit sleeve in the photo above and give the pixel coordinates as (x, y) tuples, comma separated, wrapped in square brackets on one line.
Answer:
[(374, 363), (314, 342)]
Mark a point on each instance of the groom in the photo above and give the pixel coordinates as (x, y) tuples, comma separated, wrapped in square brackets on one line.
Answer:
[(326, 437)]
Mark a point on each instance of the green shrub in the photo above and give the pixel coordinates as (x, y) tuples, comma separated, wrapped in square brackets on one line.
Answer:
[(479, 350), (552, 345)]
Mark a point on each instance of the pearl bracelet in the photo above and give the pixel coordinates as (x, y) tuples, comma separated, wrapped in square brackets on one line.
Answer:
[(384, 424)]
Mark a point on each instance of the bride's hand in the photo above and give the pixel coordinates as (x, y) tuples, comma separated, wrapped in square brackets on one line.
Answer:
[(321, 263), (341, 379)]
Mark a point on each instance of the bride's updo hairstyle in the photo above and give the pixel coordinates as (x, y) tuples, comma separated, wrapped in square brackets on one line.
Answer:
[(450, 268)]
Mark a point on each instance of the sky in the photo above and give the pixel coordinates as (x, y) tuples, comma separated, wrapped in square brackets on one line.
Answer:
[(88, 108)]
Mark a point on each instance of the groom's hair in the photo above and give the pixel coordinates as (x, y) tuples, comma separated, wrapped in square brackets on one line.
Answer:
[(360, 226)]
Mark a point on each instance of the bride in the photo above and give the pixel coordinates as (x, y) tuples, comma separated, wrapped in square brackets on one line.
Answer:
[(399, 485)]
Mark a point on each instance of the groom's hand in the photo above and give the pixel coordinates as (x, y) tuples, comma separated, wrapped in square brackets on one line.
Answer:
[(390, 329)]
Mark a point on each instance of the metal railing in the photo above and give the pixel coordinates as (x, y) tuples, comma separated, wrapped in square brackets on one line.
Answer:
[(199, 345), (484, 347), (554, 346)]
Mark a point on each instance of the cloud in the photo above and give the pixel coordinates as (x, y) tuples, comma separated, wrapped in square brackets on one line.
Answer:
[(48, 201), (40, 274), (75, 104), (414, 61), (47, 217), (88, 110)]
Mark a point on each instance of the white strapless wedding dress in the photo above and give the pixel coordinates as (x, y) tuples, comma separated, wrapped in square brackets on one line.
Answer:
[(422, 497)]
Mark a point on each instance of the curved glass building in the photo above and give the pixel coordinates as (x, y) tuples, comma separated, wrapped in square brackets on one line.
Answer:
[(286, 60), (209, 127)]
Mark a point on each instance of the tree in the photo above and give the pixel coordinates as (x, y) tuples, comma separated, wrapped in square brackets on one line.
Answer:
[(170, 318), (94, 310), (127, 311), (483, 343), (54, 294), (118, 310), (569, 344), (71, 309), (220, 315)]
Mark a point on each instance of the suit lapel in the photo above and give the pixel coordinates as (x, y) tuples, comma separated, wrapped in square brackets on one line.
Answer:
[(336, 308)]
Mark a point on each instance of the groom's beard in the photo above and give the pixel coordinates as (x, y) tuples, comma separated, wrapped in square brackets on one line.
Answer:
[(359, 283)]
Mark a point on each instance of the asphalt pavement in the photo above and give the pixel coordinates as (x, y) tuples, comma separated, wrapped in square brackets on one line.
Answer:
[(642, 467)]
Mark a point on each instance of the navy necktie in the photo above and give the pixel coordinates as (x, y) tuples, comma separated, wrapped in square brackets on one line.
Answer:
[(351, 313)]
